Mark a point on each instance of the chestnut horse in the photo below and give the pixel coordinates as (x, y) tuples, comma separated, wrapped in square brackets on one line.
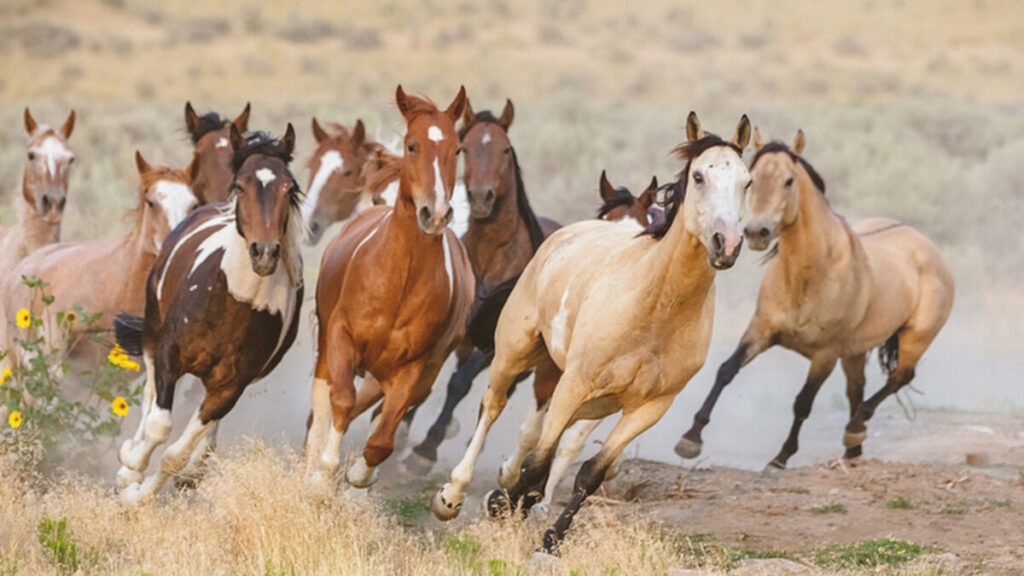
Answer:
[(338, 170), (833, 292), (44, 188), (624, 319), (222, 304), (211, 136), (620, 204), (502, 236), (394, 292), (116, 269)]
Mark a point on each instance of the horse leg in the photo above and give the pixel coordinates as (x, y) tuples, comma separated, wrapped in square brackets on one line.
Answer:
[(593, 471), (458, 387), (568, 450), (155, 426), (337, 366), (820, 369), (127, 475), (547, 376), (195, 470), (381, 443), (755, 340), (853, 368)]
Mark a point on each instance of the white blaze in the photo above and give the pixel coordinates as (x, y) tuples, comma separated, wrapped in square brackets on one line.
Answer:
[(176, 200), (329, 162), (53, 151), (440, 197)]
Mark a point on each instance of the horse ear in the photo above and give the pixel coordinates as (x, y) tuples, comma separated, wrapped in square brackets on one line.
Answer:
[(468, 115), (30, 122), (191, 119), (758, 141), (798, 142), (454, 110), (242, 121), (193, 167), (69, 125), (359, 133), (606, 188), (646, 199), (742, 136), (508, 114), (236, 139), (319, 134), (287, 143), (141, 164), (654, 183), (693, 130), (402, 99)]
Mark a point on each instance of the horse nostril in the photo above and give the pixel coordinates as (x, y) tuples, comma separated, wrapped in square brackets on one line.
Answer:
[(449, 214), (46, 204), (425, 214), (254, 250), (60, 203), (314, 227), (764, 233), (275, 250), (718, 242), (490, 195)]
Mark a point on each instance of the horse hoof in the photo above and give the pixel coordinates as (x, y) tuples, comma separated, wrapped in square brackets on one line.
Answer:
[(551, 541), (359, 475), (687, 448), (182, 484), (775, 464), (507, 475), (452, 429), (418, 464), (497, 504), (853, 439), (542, 561), (133, 496), (853, 453), (126, 477), (540, 510), (447, 504)]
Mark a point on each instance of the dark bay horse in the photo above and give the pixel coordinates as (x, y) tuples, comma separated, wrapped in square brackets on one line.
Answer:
[(583, 307), (502, 236), (222, 304), (211, 136), (394, 292), (832, 292)]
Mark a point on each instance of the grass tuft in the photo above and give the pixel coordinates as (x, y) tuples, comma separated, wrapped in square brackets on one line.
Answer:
[(900, 503), (62, 548), (871, 553), (829, 509)]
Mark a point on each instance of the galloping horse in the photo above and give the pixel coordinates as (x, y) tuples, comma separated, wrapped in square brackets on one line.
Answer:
[(117, 269), (833, 292), (503, 235), (620, 204), (394, 292), (623, 319), (211, 136), (44, 188), (338, 170), (222, 304)]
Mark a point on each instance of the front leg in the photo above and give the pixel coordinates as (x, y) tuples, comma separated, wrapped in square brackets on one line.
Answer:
[(821, 367)]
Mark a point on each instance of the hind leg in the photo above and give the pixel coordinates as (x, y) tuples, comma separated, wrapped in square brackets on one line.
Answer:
[(853, 368), (544, 383), (820, 369)]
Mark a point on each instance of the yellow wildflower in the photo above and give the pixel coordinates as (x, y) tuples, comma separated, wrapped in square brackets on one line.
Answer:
[(117, 355), (5, 376), (70, 316), (130, 365), (120, 406), (14, 419), (24, 318)]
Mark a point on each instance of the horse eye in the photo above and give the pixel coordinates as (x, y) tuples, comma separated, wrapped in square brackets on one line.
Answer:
[(412, 148), (150, 204), (507, 150), (31, 156), (347, 173), (789, 182), (71, 160), (698, 177)]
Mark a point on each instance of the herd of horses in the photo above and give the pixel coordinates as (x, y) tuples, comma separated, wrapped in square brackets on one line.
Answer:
[(611, 315)]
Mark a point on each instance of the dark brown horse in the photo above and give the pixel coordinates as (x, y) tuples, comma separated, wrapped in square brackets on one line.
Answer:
[(619, 203), (394, 292), (211, 136), (503, 235), (222, 304)]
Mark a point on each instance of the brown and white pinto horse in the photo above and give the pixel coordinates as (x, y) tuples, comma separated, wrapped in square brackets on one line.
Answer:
[(222, 304), (116, 269), (833, 292), (211, 136), (394, 292), (624, 318), (620, 204), (338, 170), (44, 188), (502, 236)]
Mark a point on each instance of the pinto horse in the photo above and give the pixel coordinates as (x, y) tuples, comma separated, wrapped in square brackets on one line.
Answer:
[(502, 236), (624, 319), (832, 292), (211, 136), (44, 188), (338, 170), (619, 203), (117, 269), (394, 292), (222, 304)]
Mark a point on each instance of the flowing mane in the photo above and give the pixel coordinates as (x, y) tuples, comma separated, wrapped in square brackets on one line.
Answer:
[(623, 197), (777, 146), (209, 122), (687, 152)]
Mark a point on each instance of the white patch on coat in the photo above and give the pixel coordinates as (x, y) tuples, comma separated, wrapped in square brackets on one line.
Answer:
[(176, 199), (54, 152), (486, 139), (266, 176), (448, 266), (559, 325), (329, 162), (390, 194), (460, 205), (370, 235), (223, 143), (434, 134)]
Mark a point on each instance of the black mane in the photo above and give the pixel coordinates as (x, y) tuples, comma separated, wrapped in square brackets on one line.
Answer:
[(623, 197), (261, 144), (676, 191), (777, 146), (209, 122)]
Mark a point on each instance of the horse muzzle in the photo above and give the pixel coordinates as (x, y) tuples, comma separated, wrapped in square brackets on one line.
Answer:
[(314, 231), (264, 257), (432, 222), (481, 203), (51, 206), (724, 250), (758, 236)]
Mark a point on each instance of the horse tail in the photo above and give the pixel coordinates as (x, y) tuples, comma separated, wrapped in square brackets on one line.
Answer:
[(128, 333), (889, 353)]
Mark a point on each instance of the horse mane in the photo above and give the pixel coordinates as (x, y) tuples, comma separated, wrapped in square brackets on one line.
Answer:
[(261, 144), (623, 197), (209, 122), (687, 152), (777, 146)]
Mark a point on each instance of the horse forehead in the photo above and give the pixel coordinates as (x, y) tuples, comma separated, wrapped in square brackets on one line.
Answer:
[(486, 134), (721, 160), (266, 169), (50, 144), (215, 140), (436, 128)]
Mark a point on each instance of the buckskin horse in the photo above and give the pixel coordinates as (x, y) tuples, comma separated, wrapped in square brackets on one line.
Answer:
[(394, 292), (622, 320), (222, 304), (831, 292), (211, 136)]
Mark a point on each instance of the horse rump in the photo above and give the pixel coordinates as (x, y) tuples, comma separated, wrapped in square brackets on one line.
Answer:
[(483, 318), (889, 353), (128, 333)]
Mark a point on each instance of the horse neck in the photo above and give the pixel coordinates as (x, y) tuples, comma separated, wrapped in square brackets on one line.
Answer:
[(684, 261), (497, 235), (33, 230), (806, 245)]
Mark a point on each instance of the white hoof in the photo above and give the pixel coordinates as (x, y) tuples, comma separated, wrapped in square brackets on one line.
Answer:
[(452, 430), (134, 496), (508, 474), (541, 561), (540, 509), (126, 477), (447, 503), (360, 475), (356, 493)]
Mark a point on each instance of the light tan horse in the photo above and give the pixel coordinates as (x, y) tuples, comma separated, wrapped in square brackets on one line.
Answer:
[(834, 292), (625, 318), (108, 276), (44, 188)]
